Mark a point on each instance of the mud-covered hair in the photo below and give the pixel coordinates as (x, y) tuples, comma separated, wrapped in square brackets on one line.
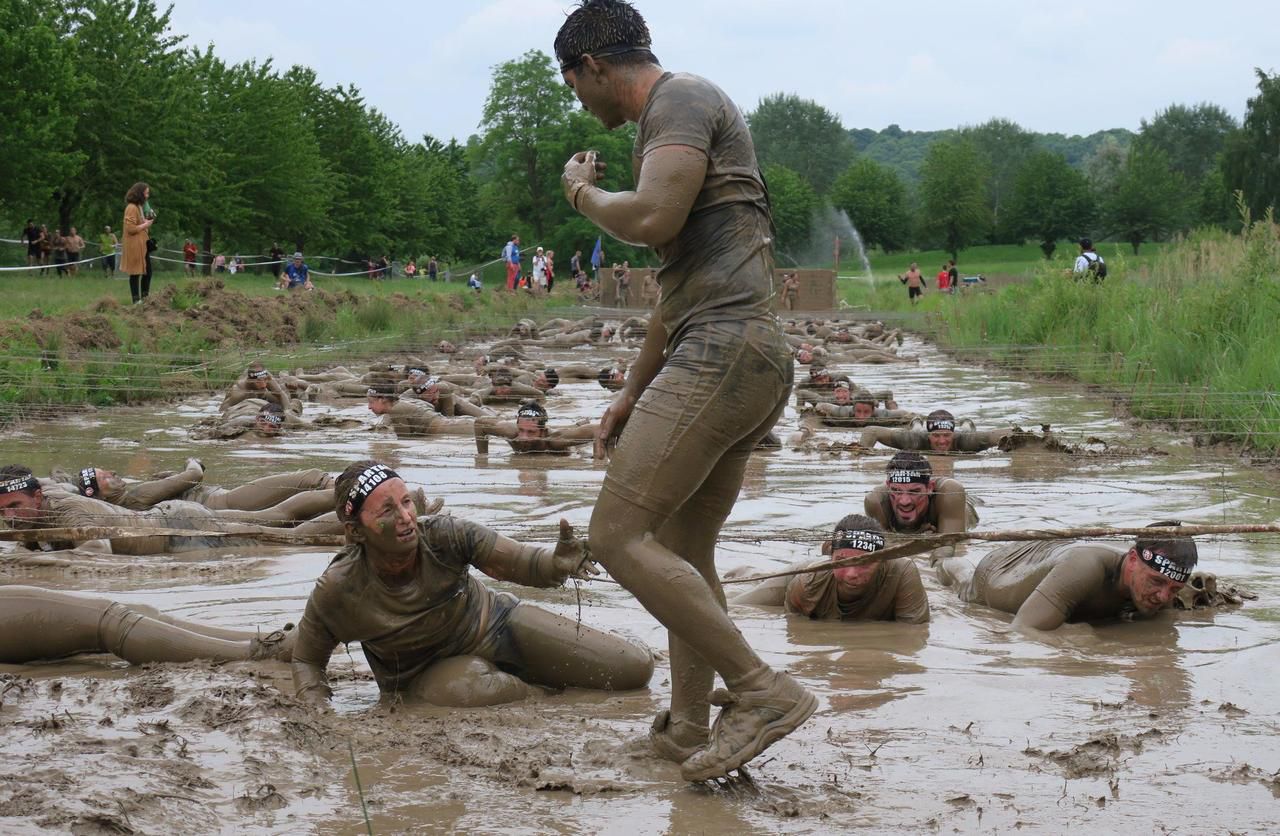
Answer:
[(1180, 551), (858, 521), (383, 388), (609, 30), (939, 415), (909, 460), (552, 376)]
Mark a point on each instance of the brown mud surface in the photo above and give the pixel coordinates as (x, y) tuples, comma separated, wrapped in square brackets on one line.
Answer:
[(959, 725)]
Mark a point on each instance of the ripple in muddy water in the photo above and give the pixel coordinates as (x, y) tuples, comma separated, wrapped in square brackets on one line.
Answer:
[(958, 724)]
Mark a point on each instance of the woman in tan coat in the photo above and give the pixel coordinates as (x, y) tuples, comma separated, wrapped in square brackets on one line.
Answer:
[(134, 260)]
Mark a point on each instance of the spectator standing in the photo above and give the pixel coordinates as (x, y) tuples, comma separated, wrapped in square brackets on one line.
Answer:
[(75, 246), (108, 242), (511, 257), (953, 275), (189, 253), (136, 260), (539, 270), (276, 256), (790, 290), (411, 269), (551, 270), (59, 252), (433, 269), (233, 265), (575, 264), (1089, 264), (219, 263), (944, 279), (31, 235), (46, 248), (384, 266)]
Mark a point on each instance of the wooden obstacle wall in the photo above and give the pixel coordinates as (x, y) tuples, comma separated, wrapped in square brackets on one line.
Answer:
[(817, 289)]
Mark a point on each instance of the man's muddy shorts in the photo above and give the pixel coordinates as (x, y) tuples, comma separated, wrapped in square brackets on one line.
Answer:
[(722, 388)]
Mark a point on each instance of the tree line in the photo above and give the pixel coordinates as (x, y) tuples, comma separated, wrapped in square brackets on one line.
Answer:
[(240, 155)]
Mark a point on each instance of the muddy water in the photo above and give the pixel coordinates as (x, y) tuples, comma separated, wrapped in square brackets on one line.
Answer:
[(957, 725)]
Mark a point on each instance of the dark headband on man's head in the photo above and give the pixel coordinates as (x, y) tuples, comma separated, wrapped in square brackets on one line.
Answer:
[(607, 52), (860, 539), (88, 485), (1164, 565), (19, 484), (365, 484)]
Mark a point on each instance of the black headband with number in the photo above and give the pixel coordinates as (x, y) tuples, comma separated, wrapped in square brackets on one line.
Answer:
[(907, 477), (22, 483), (366, 483), (88, 485), (273, 418), (940, 425), (258, 375), (1165, 566), (860, 539), (434, 380)]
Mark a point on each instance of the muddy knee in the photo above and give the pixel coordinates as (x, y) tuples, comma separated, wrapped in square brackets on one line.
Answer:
[(466, 682)]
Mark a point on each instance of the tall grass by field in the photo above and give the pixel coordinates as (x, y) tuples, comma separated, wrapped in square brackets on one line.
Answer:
[(1190, 339)]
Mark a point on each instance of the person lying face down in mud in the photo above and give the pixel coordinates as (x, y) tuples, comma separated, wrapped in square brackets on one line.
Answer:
[(886, 591), (914, 501), (439, 394), (503, 388), (38, 624), (412, 417), (853, 409), (188, 485), (1048, 583), (529, 432), (429, 628), (940, 433), (256, 382), (25, 504)]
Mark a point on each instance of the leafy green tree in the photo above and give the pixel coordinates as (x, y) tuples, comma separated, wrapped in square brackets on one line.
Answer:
[(1191, 136), (1250, 162), (1105, 164), (1050, 200), (794, 202), (1004, 147), (37, 118), (128, 69), (524, 118), (875, 199), (803, 136), (953, 194), (1147, 201)]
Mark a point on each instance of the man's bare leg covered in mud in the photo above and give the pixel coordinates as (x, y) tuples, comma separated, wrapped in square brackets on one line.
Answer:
[(711, 379), (37, 624), (432, 630)]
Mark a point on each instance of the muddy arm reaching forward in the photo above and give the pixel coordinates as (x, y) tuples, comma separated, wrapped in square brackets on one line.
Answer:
[(140, 496)]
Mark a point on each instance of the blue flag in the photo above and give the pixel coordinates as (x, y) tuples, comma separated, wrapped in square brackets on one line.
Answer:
[(597, 255)]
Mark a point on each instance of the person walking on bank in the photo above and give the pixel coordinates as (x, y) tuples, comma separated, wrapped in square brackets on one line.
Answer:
[(107, 242), (136, 261)]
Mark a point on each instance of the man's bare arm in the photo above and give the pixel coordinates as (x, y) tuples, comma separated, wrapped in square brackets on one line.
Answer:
[(670, 179)]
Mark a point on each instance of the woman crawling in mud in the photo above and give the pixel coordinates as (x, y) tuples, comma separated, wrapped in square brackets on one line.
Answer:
[(432, 631), (39, 624)]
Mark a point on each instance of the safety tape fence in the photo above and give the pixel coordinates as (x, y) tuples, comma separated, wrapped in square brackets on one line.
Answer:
[(53, 265)]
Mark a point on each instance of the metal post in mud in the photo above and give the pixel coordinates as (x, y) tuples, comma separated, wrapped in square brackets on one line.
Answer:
[(368, 825)]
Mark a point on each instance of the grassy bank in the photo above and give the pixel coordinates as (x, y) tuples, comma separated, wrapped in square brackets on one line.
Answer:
[(1189, 338), (71, 341), (1001, 265)]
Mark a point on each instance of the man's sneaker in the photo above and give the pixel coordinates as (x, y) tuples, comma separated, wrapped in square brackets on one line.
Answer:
[(749, 723), (277, 644), (666, 739)]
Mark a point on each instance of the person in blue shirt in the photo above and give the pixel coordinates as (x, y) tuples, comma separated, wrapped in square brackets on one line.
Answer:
[(297, 274)]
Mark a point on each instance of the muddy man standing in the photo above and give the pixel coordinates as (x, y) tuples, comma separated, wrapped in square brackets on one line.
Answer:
[(712, 378)]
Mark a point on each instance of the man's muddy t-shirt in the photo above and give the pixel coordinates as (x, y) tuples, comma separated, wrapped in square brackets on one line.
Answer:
[(720, 265), (1078, 579), (443, 612), (895, 593)]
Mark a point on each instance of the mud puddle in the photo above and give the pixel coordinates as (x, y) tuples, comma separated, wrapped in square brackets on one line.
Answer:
[(957, 725)]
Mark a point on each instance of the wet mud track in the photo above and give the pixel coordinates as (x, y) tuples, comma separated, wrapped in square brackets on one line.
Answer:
[(958, 725)]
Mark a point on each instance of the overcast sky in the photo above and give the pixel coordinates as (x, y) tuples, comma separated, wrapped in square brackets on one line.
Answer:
[(1071, 67)]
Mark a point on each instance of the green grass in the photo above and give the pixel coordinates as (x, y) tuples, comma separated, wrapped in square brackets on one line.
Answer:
[(1000, 264), (1187, 336)]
